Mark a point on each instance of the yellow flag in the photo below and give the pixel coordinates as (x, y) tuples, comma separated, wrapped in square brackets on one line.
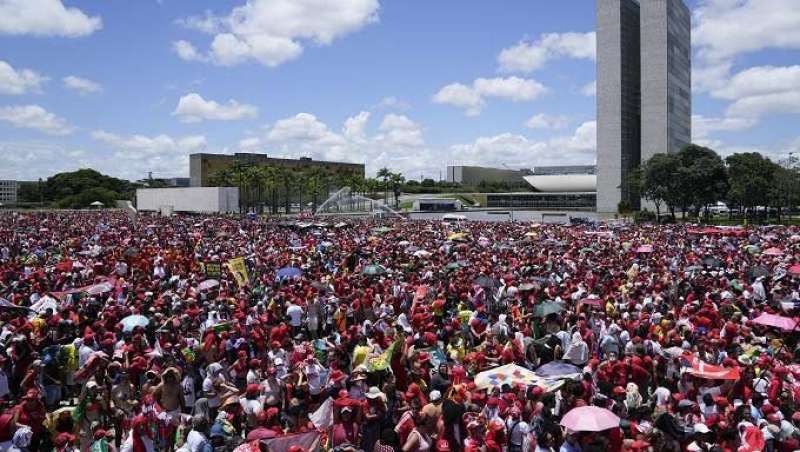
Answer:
[(239, 270)]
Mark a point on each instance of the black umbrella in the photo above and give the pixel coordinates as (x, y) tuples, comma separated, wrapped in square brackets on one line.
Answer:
[(712, 262), (757, 272), (486, 282)]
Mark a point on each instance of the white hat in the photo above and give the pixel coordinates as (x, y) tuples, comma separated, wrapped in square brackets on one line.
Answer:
[(435, 395), (701, 428), (375, 393)]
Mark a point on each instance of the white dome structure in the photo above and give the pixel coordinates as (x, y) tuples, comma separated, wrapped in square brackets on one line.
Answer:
[(563, 183)]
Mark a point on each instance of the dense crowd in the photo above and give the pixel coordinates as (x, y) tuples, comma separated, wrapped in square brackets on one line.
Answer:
[(150, 334)]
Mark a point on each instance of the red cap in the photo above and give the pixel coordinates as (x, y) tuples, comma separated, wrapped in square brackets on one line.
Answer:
[(253, 389)]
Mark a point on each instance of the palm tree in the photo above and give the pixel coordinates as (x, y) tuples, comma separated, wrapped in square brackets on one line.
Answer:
[(397, 182), (385, 174)]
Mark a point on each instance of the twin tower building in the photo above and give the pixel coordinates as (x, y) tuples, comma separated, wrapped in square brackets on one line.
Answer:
[(644, 102)]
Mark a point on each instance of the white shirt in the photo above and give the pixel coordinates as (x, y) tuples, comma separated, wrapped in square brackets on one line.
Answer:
[(195, 441), (295, 314), (187, 385)]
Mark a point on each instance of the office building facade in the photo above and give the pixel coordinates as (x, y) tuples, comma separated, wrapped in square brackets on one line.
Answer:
[(203, 166), (643, 90), (618, 100), (8, 192), (477, 175), (666, 76)]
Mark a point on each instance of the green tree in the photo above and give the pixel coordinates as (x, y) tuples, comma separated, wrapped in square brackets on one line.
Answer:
[(384, 174), (657, 181), (702, 178), (752, 179)]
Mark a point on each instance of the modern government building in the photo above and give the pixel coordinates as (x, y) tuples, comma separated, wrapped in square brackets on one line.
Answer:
[(644, 103)]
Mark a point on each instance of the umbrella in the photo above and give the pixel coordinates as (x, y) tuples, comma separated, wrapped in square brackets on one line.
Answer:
[(794, 270), (510, 374), (712, 262), (773, 252), (403, 243), (381, 230), (527, 286), (132, 321), (373, 270), (208, 284), (547, 308), (453, 266), (777, 321), (457, 237), (97, 289), (422, 253), (752, 249), (645, 249), (757, 272), (593, 301), (590, 419), (132, 252), (289, 272), (555, 369), (486, 282), (97, 204)]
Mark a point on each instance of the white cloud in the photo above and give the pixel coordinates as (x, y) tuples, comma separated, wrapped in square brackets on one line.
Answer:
[(82, 85), (187, 52), (35, 117), (544, 121), (589, 89), (354, 127), (393, 103), (45, 18), (272, 32), (400, 131), (720, 35), (19, 81), (136, 146), (725, 29), (472, 98), (518, 151), (760, 91), (250, 144), (193, 108), (703, 126), (461, 96), (529, 56)]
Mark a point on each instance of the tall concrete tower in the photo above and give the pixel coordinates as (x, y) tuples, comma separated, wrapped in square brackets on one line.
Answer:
[(643, 90), (666, 76), (618, 100)]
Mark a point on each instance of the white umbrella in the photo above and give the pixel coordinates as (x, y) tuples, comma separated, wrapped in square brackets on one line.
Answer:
[(97, 204), (422, 253), (208, 284)]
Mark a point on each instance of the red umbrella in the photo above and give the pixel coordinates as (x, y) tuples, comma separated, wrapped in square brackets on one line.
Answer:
[(773, 252), (645, 249), (794, 270), (261, 433), (777, 321), (596, 302)]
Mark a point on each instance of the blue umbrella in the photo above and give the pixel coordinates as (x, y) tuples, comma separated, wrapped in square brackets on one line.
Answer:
[(555, 369), (289, 272), (132, 321)]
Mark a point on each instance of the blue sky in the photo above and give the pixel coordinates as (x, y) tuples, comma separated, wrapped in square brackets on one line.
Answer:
[(132, 87)]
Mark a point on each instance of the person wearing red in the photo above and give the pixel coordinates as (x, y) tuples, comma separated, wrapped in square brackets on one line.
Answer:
[(32, 412)]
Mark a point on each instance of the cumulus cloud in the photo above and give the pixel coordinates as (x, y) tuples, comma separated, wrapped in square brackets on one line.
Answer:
[(272, 32), (134, 146), (519, 151), (45, 18), (35, 117), (81, 85), (545, 121), (473, 98), (703, 126), (528, 56), (719, 37), (187, 52), (19, 81), (193, 108)]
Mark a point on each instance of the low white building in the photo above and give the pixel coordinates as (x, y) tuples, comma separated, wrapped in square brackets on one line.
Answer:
[(188, 199)]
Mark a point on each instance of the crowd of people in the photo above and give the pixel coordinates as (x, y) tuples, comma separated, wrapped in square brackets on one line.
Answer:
[(214, 333)]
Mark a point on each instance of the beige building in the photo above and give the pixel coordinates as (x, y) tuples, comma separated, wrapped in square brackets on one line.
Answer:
[(203, 166)]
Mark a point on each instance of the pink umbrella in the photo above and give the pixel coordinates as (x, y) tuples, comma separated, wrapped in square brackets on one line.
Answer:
[(777, 321), (597, 302), (590, 419), (645, 249), (794, 270), (773, 252)]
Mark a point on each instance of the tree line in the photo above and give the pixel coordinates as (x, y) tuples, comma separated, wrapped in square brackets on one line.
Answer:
[(697, 178)]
